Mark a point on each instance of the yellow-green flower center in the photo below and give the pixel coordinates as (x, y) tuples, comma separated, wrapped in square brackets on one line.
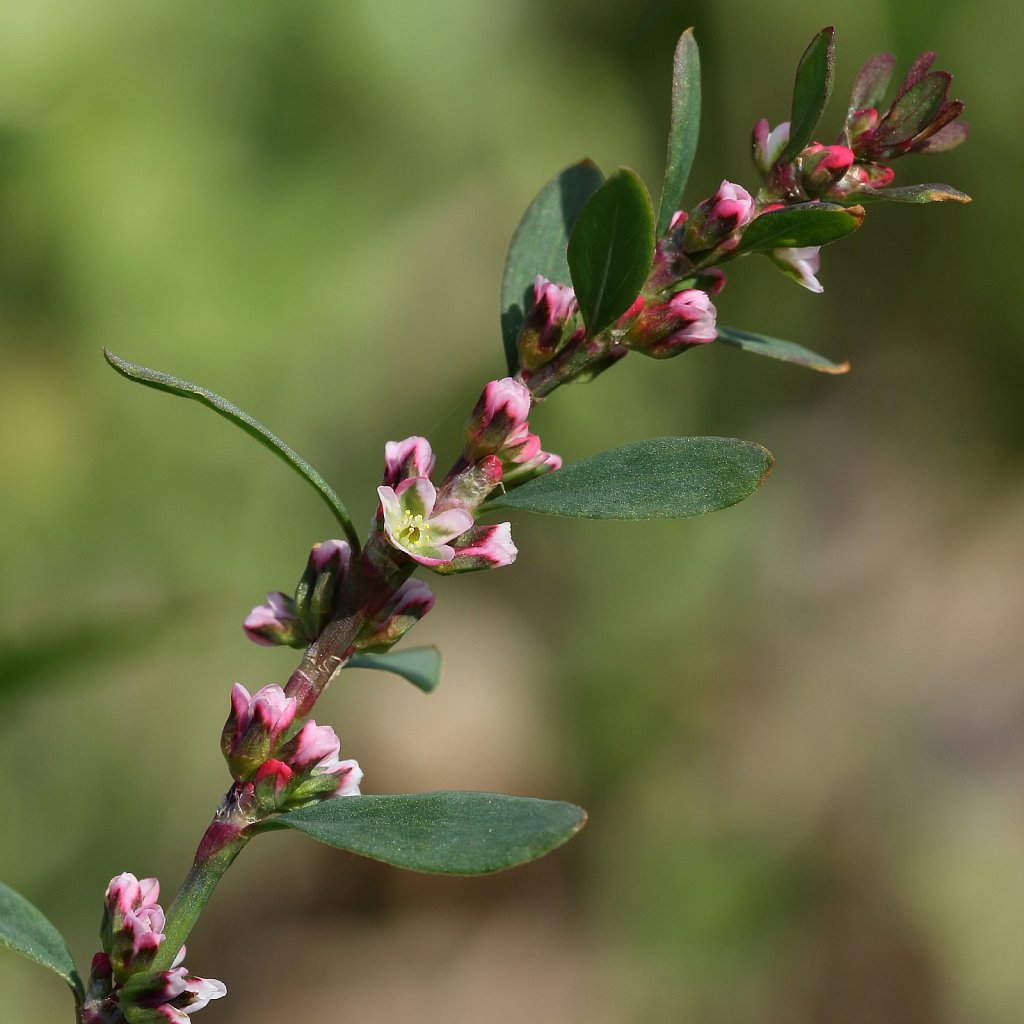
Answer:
[(415, 530)]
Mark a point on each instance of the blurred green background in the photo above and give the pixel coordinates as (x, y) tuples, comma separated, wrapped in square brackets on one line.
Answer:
[(798, 725)]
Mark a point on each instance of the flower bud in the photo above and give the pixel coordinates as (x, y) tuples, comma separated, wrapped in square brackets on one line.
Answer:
[(687, 319), (545, 325), (859, 124), (541, 463), (275, 624), (500, 414), (822, 166), (408, 458), (133, 923), (317, 773), (767, 145), (319, 591), (714, 222), (859, 177), (167, 997), (411, 602), (254, 726), (800, 264), (482, 547), (470, 487)]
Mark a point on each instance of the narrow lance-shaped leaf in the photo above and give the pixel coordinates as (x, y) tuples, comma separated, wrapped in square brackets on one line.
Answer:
[(421, 666), (440, 833), (776, 348), (872, 81), (811, 90), (913, 111), (25, 930), (611, 249), (538, 246), (930, 193), (186, 389), (800, 226), (684, 127), (661, 478)]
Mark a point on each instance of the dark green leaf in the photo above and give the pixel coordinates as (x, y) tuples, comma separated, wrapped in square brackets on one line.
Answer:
[(811, 91), (662, 478), (611, 249), (800, 226), (538, 246), (186, 389), (26, 931), (683, 128), (443, 833), (872, 81), (776, 348), (421, 666), (930, 193), (913, 111)]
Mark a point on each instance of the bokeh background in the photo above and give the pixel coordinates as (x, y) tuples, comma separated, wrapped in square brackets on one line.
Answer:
[(798, 725)]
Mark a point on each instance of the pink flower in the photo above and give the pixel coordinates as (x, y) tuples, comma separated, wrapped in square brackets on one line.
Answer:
[(687, 319), (408, 458), (499, 416), (822, 166), (767, 144), (274, 623), (411, 525), (317, 772), (169, 996), (483, 547), (254, 726), (542, 462), (800, 264), (545, 325), (410, 603), (133, 924), (717, 221)]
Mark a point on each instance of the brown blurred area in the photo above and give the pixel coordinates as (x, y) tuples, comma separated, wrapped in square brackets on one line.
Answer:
[(798, 725)]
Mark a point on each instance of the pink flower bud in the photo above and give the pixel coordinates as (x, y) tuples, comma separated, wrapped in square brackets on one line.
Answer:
[(318, 595), (408, 458), (133, 924), (687, 319), (167, 996), (471, 486), (859, 124), (822, 166), (800, 264), (274, 623), (767, 145), (499, 415), (546, 324), (253, 727), (312, 757), (483, 547), (541, 463), (411, 602), (717, 221)]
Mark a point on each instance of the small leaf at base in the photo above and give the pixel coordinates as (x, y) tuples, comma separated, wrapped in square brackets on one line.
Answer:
[(776, 348), (421, 666)]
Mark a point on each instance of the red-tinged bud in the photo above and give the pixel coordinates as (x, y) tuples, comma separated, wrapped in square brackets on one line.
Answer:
[(253, 728), (133, 924), (318, 774), (547, 324), (500, 414), (270, 779), (859, 124), (541, 463), (665, 330), (411, 602), (275, 623), (167, 997), (822, 166), (405, 459), (482, 547), (470, 486), (767, 144), (318, 595), (859, 177), (717, 221)]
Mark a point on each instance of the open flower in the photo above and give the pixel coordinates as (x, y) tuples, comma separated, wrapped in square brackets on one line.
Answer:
[(411, 526)]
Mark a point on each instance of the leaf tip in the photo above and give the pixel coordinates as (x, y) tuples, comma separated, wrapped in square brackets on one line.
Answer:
[(836, 369)]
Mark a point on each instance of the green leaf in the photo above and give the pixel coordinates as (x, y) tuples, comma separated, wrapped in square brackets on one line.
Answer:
[(932, 192), (186, 389), (872, 81), (611, 249), (798, 226), (442, 833), (913, 111), (662, 478), (684, 127), (421, 666), (538, 246), (25, 930), (811, 91), (776, 348)]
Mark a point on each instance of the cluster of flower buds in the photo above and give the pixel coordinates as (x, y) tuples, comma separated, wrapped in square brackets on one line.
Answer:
[(297, 622), (121, 985), (279, 770), (436, 529), (921, 119), (717, 223)]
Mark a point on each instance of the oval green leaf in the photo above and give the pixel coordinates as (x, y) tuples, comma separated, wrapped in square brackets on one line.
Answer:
[(933, 192), (776, 348), (872, 82), (440, 833), (684, 127), (160, 381), (811, 90), (538, 246), (798, 226), (914, 110), (611, 249), (25, 930), (421, 666), (662, 478)]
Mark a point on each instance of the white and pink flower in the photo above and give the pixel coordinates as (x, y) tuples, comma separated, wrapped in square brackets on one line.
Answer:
[(273, 623), (409, 458), (254, 726), (665, 330), (800, 264), (412, 526)]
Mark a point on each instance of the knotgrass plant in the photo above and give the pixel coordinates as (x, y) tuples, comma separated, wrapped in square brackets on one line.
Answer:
[(593, 273)]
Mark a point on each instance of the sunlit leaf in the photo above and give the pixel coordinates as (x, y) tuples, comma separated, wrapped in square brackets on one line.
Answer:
[(441, 833)]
